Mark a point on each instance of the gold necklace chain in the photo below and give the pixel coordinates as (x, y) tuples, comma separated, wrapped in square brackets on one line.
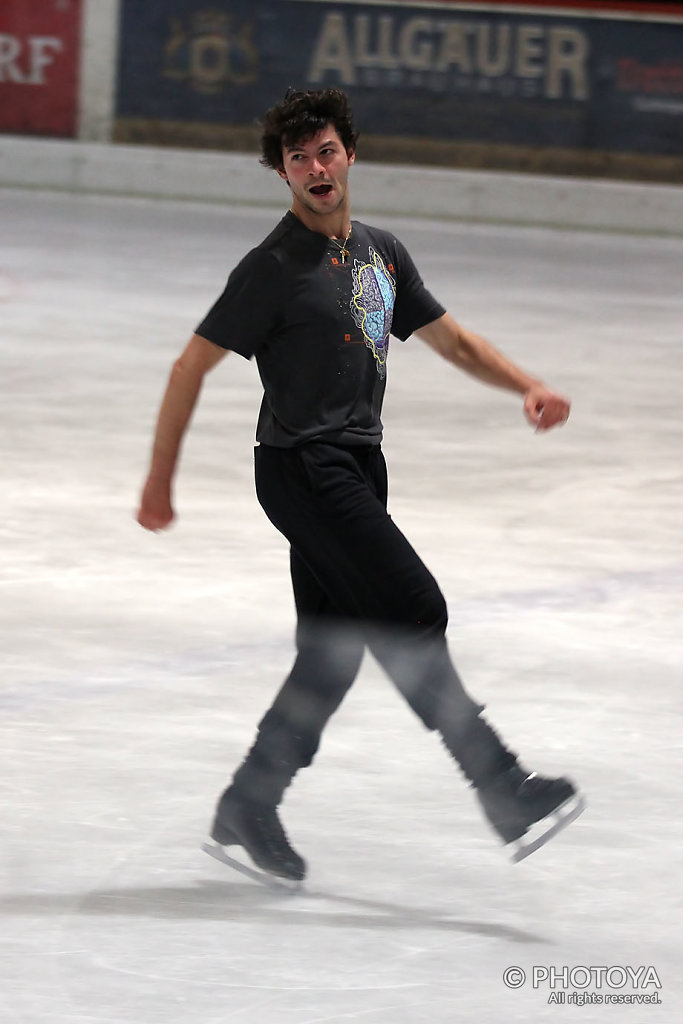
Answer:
[(342, 245)]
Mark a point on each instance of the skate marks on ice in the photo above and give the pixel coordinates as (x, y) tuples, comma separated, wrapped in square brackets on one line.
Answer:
[(237, 951), (597, 589), (237, 901), (64, 686)]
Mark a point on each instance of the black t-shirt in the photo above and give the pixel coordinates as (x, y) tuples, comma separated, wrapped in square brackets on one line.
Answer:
[(319, 328)]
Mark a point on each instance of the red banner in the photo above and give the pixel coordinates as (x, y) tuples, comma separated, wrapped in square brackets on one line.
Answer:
[(39, 58)]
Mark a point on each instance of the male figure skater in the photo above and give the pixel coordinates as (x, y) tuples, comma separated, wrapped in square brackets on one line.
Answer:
[(315, 304)]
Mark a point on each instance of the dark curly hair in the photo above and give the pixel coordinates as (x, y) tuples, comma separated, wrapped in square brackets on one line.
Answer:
[(300, 116)]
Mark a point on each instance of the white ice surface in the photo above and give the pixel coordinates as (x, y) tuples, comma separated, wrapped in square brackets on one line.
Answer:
[(135, 667)]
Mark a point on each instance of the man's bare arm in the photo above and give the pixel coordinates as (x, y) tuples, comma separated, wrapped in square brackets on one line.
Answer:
[(184, 385), (470, 352)]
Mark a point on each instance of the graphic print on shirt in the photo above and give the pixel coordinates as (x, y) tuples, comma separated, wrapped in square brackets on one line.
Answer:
[(372, 305)]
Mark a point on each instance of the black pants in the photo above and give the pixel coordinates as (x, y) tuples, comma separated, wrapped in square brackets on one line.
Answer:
[(357, 583)]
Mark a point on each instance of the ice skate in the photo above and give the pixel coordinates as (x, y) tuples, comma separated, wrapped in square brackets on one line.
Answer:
[(517, 800), (258, 830)]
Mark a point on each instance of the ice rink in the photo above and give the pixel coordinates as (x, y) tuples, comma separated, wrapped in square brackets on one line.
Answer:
[(136, 666)]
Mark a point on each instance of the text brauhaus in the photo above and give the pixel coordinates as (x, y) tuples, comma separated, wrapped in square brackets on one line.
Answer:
[(555, 56)]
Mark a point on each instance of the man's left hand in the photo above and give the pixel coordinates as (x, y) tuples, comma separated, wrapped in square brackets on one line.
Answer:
[(544, 408)]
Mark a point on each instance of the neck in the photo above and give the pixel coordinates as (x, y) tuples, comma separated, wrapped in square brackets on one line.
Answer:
[(334, 225)]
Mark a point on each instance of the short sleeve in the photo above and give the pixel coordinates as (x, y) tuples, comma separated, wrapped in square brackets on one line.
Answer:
[(415, 306), (248, 311)]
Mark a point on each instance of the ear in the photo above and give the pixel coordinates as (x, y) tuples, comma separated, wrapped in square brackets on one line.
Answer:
[(351, 153), (283, 174)]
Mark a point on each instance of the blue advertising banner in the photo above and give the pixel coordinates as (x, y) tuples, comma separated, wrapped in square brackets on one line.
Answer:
[(454, 73)]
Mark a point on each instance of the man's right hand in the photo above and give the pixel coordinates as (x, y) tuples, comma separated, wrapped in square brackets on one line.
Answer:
[(156, 511), (200, 356)]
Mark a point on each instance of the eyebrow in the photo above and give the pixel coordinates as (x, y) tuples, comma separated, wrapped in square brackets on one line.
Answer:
[(296, 146)]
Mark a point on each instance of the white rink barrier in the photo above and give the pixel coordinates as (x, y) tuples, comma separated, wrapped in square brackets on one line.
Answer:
[(481, 196)]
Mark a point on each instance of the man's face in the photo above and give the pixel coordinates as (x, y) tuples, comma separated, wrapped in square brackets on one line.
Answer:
[(317, 170)]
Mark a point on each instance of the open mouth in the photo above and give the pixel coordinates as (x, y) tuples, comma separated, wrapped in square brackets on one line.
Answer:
[(321, 190)]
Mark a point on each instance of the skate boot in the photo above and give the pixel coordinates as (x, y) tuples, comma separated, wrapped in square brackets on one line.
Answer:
[(515, 800), (257, 828)]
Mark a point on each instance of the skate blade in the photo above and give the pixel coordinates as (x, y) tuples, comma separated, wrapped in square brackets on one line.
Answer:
[(272, 882), (564, 815)]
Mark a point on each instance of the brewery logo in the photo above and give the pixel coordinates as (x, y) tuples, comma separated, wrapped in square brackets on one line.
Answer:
[(212, 53)]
